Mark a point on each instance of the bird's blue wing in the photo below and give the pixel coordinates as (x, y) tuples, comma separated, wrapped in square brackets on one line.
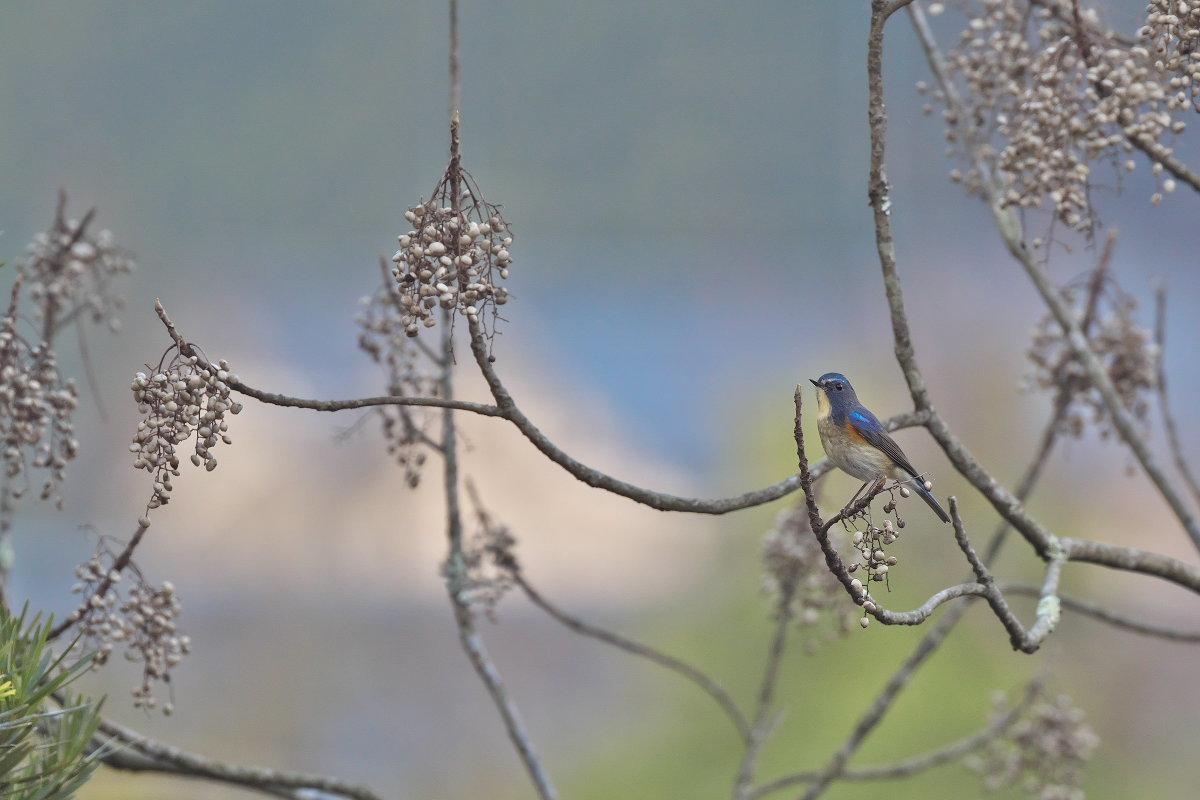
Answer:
[(865, 425)]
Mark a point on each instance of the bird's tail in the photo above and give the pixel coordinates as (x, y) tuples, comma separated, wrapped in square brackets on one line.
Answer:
[(918, 486)]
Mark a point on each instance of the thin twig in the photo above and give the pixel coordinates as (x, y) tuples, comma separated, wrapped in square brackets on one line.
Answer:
[(274, 399), (1160, 338), (600, 480), (118, 567), (584, 628), (456, 563), (943, 755), (924, 649), (918, 763), (764, 700), (455, 74), (1108, 616)]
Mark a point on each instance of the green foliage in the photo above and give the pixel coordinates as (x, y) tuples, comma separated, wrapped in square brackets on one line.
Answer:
[(46, 750)]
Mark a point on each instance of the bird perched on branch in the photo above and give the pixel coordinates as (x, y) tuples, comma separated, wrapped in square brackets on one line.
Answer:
[(855, 440)]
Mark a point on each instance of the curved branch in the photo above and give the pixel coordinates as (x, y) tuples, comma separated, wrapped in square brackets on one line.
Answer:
[(926, 609), (596, 478), (710, 686), (601, 480), (506, 408)]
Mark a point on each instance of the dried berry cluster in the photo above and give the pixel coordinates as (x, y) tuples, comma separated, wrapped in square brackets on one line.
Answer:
[(1050, 93), (180, 400), (36, 428), (489, 565), (870, 544), (1172, 31), (143, 623), (1125, 348), (68, 271), (63, 277), (384, 339), (795, 574), (453, 257), (1044, 753)]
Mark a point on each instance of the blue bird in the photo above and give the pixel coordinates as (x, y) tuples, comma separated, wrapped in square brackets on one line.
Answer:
[(855, 439)]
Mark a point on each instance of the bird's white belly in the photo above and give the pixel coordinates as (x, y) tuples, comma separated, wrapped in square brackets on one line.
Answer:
[(852, 456)]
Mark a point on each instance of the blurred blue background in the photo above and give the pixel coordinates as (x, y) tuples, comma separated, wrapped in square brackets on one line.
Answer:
[(686, 182)]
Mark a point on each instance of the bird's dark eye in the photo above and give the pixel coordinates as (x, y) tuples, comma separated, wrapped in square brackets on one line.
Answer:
[(838, 386)]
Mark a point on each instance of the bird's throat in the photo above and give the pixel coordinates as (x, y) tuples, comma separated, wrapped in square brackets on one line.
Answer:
[(823, 407)]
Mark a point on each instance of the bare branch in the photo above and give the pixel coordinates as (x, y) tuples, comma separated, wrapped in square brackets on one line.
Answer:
[(1047, 614), (765, 699), (600, 480), (455, 74), (878, 193), (1132, 560), (507, 409), (1102, 614), (142, 754)]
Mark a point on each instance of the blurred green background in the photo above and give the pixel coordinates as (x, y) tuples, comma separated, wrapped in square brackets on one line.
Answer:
[(686, 182)]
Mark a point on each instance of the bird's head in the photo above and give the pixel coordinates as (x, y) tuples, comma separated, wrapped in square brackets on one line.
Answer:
[(833, 391)]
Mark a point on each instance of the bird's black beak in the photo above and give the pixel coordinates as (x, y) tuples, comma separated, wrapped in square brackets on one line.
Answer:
[(814, 383)]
